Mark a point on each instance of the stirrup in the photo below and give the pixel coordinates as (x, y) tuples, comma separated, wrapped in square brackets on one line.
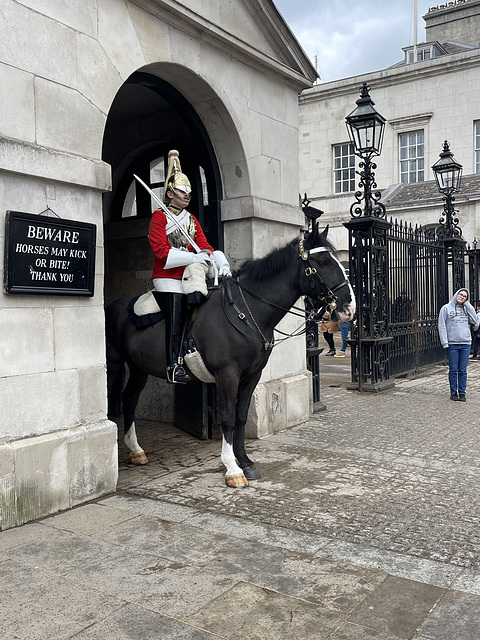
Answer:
[(177, 375)]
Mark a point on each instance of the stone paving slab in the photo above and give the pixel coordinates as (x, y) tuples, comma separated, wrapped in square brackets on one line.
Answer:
[(398, 606), (259, 613), (38, 604), (397, 564), (148, 579), (133, 622), (336, 585), (456, 617)]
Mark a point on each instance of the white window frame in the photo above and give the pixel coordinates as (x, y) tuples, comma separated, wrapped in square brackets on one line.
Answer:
[(412, 162), (476, 145), (344, 177)]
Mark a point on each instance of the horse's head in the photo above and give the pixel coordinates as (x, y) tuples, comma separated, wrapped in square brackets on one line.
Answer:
[(323, 277)]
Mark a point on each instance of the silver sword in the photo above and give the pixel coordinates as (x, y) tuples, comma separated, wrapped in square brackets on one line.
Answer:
[(169, 215)]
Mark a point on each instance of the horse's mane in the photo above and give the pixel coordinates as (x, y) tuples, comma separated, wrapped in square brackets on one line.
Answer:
[(279, 260)]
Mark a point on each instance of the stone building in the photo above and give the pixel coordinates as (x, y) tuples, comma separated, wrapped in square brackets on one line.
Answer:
[(425, 102), (92, 92)]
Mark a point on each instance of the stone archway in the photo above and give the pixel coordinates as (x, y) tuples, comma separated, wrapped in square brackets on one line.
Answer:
[(148, 117)]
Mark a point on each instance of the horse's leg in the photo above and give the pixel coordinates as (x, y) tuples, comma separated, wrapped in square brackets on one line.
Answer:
[(131, 394), (227, 386), (245, 391), (115, 380)]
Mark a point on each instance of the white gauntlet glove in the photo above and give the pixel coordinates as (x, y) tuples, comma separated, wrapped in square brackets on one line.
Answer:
[(222, 264), (179, 258), (204, 258)]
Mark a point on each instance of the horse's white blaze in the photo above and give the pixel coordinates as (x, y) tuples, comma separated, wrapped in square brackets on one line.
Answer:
[(131, 442), (349, 310), (228, 459)]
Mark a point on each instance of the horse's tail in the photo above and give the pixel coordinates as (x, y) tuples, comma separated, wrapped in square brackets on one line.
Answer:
[(115, 388), (116, 372)]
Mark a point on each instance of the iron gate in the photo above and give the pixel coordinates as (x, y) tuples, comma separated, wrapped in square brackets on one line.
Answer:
[(402, 276), (417, 288)]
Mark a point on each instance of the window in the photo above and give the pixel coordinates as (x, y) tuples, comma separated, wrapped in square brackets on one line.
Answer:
[(343, 168), (157, 182), (412, 161), (425, 52), (422, 54), (476, 144)]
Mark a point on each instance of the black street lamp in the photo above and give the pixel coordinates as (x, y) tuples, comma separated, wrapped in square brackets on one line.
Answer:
[(365, 128), (448, 174), (370, 342)]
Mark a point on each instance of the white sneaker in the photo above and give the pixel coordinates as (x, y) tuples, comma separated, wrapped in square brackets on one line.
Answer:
[(340, 354)]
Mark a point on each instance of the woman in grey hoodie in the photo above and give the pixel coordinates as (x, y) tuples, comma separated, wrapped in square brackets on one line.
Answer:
[(454, 323)]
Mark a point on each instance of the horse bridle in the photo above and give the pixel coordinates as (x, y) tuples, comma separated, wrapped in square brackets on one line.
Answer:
[(327, 297)]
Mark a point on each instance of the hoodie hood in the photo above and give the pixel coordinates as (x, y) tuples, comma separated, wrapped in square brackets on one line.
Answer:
[(454, 302), (466, 306)]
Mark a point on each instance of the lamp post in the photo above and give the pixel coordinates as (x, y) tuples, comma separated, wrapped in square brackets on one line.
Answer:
[(448, 175), (368, 252), (365, 127)]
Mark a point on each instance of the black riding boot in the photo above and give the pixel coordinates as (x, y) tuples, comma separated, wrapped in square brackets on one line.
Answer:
[(174, 309)]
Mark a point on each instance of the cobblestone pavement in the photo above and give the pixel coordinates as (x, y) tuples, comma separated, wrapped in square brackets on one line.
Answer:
[(364, 526), (396, 471)]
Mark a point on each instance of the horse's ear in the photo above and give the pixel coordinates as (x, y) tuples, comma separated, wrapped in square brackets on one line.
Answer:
[(316, 238), (324, 233)]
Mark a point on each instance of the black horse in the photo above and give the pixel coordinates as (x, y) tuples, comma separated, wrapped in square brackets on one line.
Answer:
[(233, 332)]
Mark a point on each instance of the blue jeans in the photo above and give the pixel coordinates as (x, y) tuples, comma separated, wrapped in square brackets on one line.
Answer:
[(344, 329), (457, 371)]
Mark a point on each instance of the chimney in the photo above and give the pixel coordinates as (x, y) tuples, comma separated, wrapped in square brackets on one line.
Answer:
[(458, 21)]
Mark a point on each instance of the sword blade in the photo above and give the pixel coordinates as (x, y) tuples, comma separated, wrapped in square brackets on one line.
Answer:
[(169, 215)]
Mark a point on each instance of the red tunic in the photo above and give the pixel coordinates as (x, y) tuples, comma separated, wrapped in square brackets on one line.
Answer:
[(158, 232)]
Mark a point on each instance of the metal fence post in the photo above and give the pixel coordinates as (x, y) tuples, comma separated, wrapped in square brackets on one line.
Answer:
[(370, 341)]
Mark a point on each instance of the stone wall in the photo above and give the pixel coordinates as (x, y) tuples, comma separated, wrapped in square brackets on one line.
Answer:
[(61, 66)]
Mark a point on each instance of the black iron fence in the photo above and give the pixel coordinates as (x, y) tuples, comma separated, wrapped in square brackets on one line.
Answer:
[(417, 288), (473, 259), (404, 274), (401, 275)]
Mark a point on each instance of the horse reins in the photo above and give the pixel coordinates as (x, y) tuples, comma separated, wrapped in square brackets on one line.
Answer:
[(328, 299), (267, 344)]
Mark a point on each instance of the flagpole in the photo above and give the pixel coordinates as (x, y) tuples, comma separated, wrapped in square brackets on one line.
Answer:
[(415, 27)]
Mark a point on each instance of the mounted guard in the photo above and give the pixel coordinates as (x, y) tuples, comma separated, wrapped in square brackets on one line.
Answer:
[(179, 244), (235, 353)]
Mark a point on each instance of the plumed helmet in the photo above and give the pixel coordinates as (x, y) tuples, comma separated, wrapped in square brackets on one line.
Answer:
[(175, 178)]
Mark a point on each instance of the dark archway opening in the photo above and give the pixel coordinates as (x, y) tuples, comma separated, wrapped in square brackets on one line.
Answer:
[(147, 119)]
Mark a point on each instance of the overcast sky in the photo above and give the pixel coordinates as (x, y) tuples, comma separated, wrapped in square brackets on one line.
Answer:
[(350, 37)]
